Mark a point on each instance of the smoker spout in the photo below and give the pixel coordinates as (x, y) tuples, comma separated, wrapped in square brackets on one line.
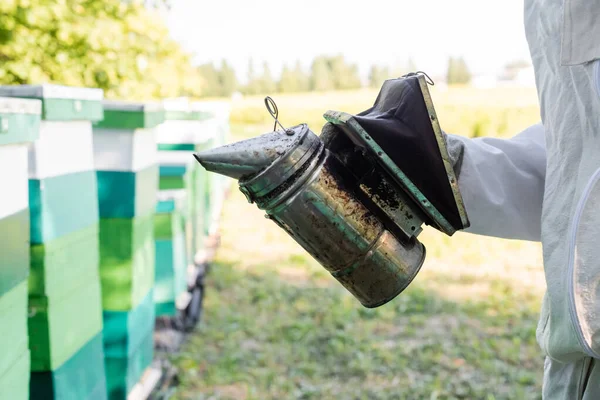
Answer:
[(248, 157)]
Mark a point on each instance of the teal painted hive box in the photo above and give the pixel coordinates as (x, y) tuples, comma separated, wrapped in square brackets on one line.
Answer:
[(81, 377), (129, 115), (60, 326), (124, 331), (13, 327), (126, 261), (14, 383), (59, 265), (177, 172), (122, 373), (187, 129), (171, 260), (125, 159), (61, 159), (216, 131), (19, 126)]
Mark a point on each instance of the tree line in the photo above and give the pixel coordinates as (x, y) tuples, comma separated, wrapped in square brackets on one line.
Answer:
[(326, 73), (124, 48)]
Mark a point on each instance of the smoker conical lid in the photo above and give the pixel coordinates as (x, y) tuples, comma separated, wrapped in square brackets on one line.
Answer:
[(248, 157)]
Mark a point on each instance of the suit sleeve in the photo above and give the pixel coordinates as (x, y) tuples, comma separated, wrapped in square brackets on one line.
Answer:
[(502, 182)]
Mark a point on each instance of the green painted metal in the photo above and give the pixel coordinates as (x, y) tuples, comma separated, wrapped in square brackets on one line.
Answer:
[(122, 373), (62, 204), (126, 261), (59, 327), (124, 331), (14, 250), (81, 377), (13, 326), (124, 194), (14, 384), (59, 265), (18, 128)]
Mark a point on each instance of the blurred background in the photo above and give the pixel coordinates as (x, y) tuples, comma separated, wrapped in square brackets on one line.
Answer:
[(276, 325)]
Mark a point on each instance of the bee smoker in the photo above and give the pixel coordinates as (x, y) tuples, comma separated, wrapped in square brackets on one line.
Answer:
[(355, 197)]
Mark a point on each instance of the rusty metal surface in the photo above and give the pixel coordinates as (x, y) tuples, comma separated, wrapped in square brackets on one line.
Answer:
[(326, 218), (318, 200)]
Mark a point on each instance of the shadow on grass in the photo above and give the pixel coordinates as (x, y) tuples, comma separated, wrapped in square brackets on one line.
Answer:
[(264, 337)]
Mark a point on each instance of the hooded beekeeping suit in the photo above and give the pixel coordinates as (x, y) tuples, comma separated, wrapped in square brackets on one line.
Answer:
[(544, 184)]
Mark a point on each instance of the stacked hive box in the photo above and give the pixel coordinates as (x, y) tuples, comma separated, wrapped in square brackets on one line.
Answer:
[(127, 171), (216, 128), (171, 258), (183, 133), (65, 320), (19, 125)]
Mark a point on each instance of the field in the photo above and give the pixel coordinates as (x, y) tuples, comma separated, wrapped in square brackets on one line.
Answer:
[(277, 326)]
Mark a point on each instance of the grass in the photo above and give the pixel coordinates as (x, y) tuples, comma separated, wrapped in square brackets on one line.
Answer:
[(278, 326)]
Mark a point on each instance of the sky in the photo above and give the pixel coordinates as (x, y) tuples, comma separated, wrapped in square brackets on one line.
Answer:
[(487, 33)]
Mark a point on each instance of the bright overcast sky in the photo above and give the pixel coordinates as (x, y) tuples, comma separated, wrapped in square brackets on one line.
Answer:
[(488, 33)]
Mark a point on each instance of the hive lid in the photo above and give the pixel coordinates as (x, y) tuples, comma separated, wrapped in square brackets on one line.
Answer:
[(19, 120), (131, 115), (61, 103), (182, 110), (401, 131)]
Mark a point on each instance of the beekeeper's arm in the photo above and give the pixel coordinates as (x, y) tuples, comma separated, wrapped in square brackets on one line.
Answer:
[(502, 182)]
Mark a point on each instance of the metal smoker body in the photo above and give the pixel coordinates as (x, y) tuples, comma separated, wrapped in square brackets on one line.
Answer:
[(337, 198)]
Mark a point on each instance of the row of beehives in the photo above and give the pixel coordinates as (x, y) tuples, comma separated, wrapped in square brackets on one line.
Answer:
[(103, 215)]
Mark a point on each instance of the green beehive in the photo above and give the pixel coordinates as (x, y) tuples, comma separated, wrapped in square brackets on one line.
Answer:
[(124, 331), (64, 305), (215, 130), (122, 373), (171, 265), (126, 261), (61, 264), (19, 126), (60, 326), (183, 133), (81, 377), (61, 103), (127, 171), (14, 383), (13, 326)]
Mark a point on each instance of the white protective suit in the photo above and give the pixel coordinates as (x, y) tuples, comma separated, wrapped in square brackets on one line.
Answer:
[(544, 184)]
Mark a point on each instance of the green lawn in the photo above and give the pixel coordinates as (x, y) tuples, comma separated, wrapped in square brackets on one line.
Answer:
[(277, 326)]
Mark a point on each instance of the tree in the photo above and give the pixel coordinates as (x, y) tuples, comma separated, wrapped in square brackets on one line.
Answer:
[(377, 75), (321, 79), (267, 83), (288, 83), (301, 77), (227, 80), (458, 72), (333, 72), (210, 79), (93, 43), (253, 84)]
